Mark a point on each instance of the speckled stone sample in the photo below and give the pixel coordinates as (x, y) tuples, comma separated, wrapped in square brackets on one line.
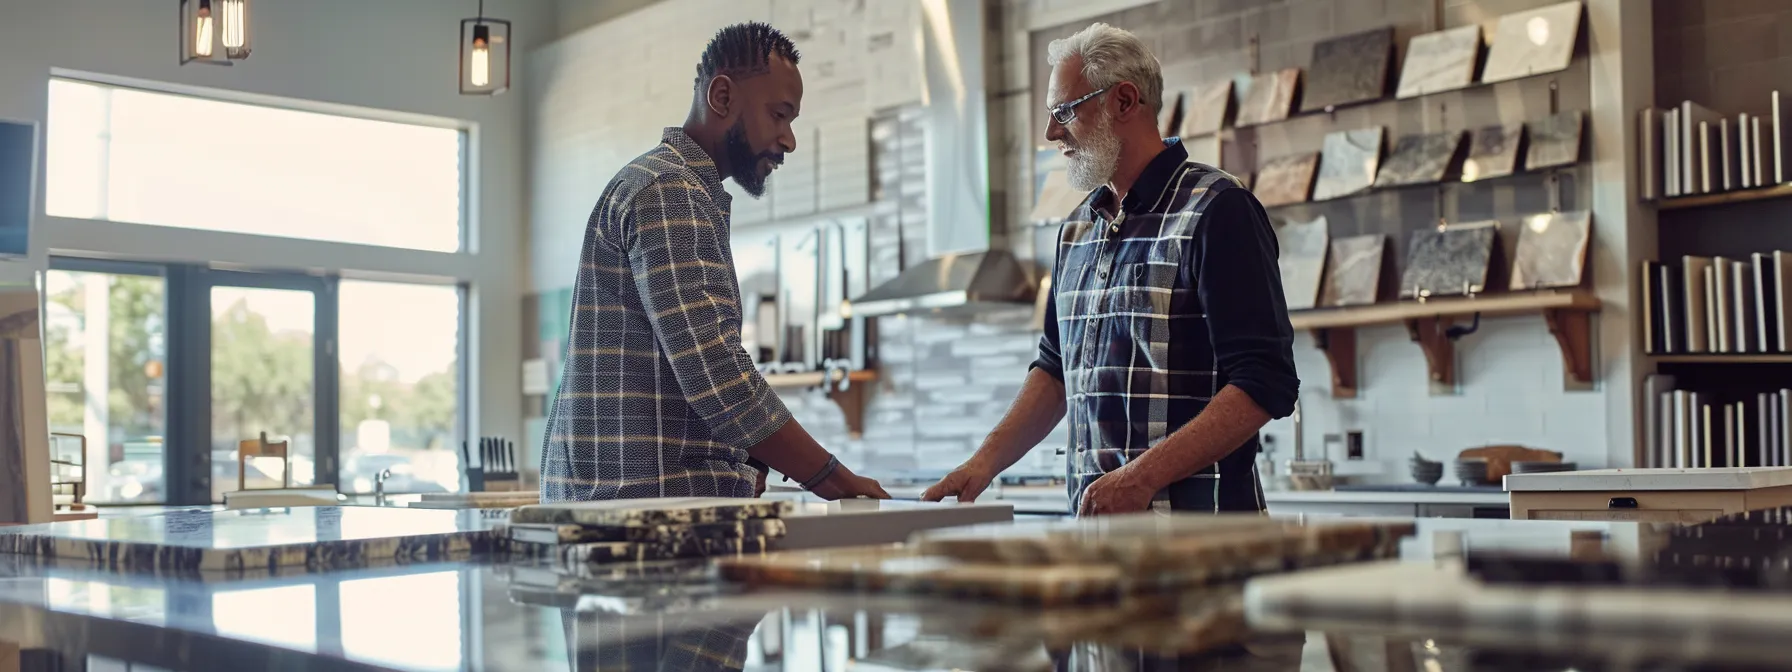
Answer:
[(1286, 180), (1552, 250), (1492, 152), (1353, 273), (1555, 140), (1207, 109), (1269, 98), (1420, 159), (1440, 61), (1533, 42), (1349, 69), (576, 534), (1349, 162), (1302, 247), (1448, 262), (644, 512)]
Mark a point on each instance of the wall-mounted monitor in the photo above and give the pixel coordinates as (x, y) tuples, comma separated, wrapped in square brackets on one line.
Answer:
[(18, 161)]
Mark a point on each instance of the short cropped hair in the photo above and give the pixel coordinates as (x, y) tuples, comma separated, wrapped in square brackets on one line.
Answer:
[(742, 51)]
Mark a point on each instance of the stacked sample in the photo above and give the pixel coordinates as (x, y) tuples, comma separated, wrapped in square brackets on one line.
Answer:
[(645, 529), (1095, 560), (1718, 304), (1738, 427)]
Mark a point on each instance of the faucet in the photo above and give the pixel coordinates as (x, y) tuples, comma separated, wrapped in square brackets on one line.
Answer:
[(379, 486), (1300, 455)]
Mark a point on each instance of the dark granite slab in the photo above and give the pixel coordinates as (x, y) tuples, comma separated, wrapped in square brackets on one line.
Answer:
[(1302, 248), (1493, 152), (1270, 97), (1449, 262), (1285, 180), (1555, 140), (1440, 61), (1208, 108), (643, 551), (1552, 250), (1349, 162), (1421, 159), (1353, 273), (646, 512), (1533, 42), (1349, 69), (316, 538)]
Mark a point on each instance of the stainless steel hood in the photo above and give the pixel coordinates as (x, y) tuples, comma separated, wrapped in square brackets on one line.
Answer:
[(952, 283), (962, 272)]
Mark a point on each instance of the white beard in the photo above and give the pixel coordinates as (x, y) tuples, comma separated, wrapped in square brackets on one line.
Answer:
[(1096, 158)]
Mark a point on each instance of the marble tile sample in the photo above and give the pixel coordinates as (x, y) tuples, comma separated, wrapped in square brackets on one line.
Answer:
[(1348, 163), (1554, 140), (1552, 250), (1302, 247), (646, 512), (1270, 98), (1533, 42), (1208, 108), (583, 534), (1493, 152), (1353, 273), (1286, 180), (1440, 61), (1056, 198), (642, 551), (1349, 69), (315, 538), (1420, 159), (1451, 261)]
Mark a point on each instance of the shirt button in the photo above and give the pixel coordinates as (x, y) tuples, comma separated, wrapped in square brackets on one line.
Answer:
[(1115, 228)]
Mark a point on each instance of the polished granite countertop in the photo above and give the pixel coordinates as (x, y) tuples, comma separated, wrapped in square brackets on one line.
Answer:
[(486, 614)]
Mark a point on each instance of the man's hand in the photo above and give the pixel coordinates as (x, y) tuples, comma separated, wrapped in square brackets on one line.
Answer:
[(967, 482), (759, 483), (843, 484), (1119, 491)]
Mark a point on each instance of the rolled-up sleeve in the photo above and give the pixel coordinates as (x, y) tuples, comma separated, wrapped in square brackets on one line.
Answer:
[(679, 266), (1051, 358), (1240, 286)]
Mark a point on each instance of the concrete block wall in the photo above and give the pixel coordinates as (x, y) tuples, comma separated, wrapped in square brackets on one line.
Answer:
[(1725, 55)]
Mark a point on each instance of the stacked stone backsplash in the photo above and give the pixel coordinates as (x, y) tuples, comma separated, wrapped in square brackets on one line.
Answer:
[(943, 381)]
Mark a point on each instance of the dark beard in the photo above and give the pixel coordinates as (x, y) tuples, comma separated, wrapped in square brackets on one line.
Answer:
[(743, 163)]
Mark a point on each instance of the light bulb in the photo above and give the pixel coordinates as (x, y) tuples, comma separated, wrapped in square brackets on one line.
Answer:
[(202, 31), (236, 30), (480, 70)]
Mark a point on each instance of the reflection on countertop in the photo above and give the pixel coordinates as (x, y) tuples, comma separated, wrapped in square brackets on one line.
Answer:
[(485, 615)]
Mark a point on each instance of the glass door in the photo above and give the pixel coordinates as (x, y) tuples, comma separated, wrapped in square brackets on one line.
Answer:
[(271, 369)]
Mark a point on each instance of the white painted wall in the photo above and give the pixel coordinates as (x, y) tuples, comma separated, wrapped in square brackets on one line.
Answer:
[(393, 55)]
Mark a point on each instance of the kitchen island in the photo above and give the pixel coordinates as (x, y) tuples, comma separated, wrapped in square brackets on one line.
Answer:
[(490, 613)]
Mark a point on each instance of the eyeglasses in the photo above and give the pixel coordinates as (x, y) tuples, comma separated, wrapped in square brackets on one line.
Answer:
[(1064, 113)]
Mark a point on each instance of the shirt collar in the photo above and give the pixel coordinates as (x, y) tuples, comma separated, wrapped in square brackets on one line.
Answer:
[(698, 160), (1152, 181)]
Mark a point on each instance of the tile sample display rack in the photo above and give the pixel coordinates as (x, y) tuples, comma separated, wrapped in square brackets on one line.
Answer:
[(1568, 314)]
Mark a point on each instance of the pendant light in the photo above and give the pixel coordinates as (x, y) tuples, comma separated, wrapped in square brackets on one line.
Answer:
[(484, 55), (214, 31)]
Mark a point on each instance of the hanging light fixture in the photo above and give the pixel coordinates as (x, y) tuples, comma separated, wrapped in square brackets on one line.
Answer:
[(484, 55), (214, 31)]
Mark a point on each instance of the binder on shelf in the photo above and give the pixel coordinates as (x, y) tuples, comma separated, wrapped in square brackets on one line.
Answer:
[(1779, 145), (1649, 152), (1717, 333), (1766, 303), (1670, 152), (1657, 397), (1782, 294), (1748, 176), (1691, 116), (1695, 279), (1728, 165), (1742, 313), (1755, 134), (1652, 322), (1705, 137), (1673, 310)]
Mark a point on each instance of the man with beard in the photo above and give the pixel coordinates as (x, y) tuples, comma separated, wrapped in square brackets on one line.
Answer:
[(1166, 336), (658, 399)]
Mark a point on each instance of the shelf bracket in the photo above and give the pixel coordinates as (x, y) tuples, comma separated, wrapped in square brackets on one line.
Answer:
[(1440, 351), (1339, 345), (1573, 330), (852, 405)]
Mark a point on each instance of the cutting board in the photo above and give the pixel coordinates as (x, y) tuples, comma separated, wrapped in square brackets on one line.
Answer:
[(1500, 458)]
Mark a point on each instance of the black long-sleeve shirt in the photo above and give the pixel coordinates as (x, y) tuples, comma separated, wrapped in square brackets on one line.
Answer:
[(1156, 309)]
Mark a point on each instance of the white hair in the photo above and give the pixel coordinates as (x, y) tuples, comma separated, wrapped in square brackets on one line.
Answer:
[(1110, 56)]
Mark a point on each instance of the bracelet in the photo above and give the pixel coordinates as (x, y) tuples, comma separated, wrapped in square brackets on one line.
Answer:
[(822, 475)]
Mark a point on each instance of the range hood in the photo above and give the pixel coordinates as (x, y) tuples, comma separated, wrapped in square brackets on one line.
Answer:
[(962, 273), (963, 282)]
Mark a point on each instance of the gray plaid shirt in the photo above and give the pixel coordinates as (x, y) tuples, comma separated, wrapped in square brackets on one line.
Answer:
[(658, 399), (1154, 310)]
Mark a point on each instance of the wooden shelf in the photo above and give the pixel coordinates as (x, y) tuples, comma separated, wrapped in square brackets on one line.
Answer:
[(1446, 184), (1756, 358), (1741, 196), (1567, 312), (1383, 100), (850, 400)]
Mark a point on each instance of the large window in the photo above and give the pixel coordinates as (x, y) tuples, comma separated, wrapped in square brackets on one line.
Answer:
[(400, 385), (105, 361), (145, 157)]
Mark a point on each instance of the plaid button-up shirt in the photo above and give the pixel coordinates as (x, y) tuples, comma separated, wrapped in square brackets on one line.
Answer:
[(658, 399), (1155, 309)]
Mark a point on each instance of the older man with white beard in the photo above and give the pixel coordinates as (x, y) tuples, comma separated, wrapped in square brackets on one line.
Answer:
[(1167, 338)]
